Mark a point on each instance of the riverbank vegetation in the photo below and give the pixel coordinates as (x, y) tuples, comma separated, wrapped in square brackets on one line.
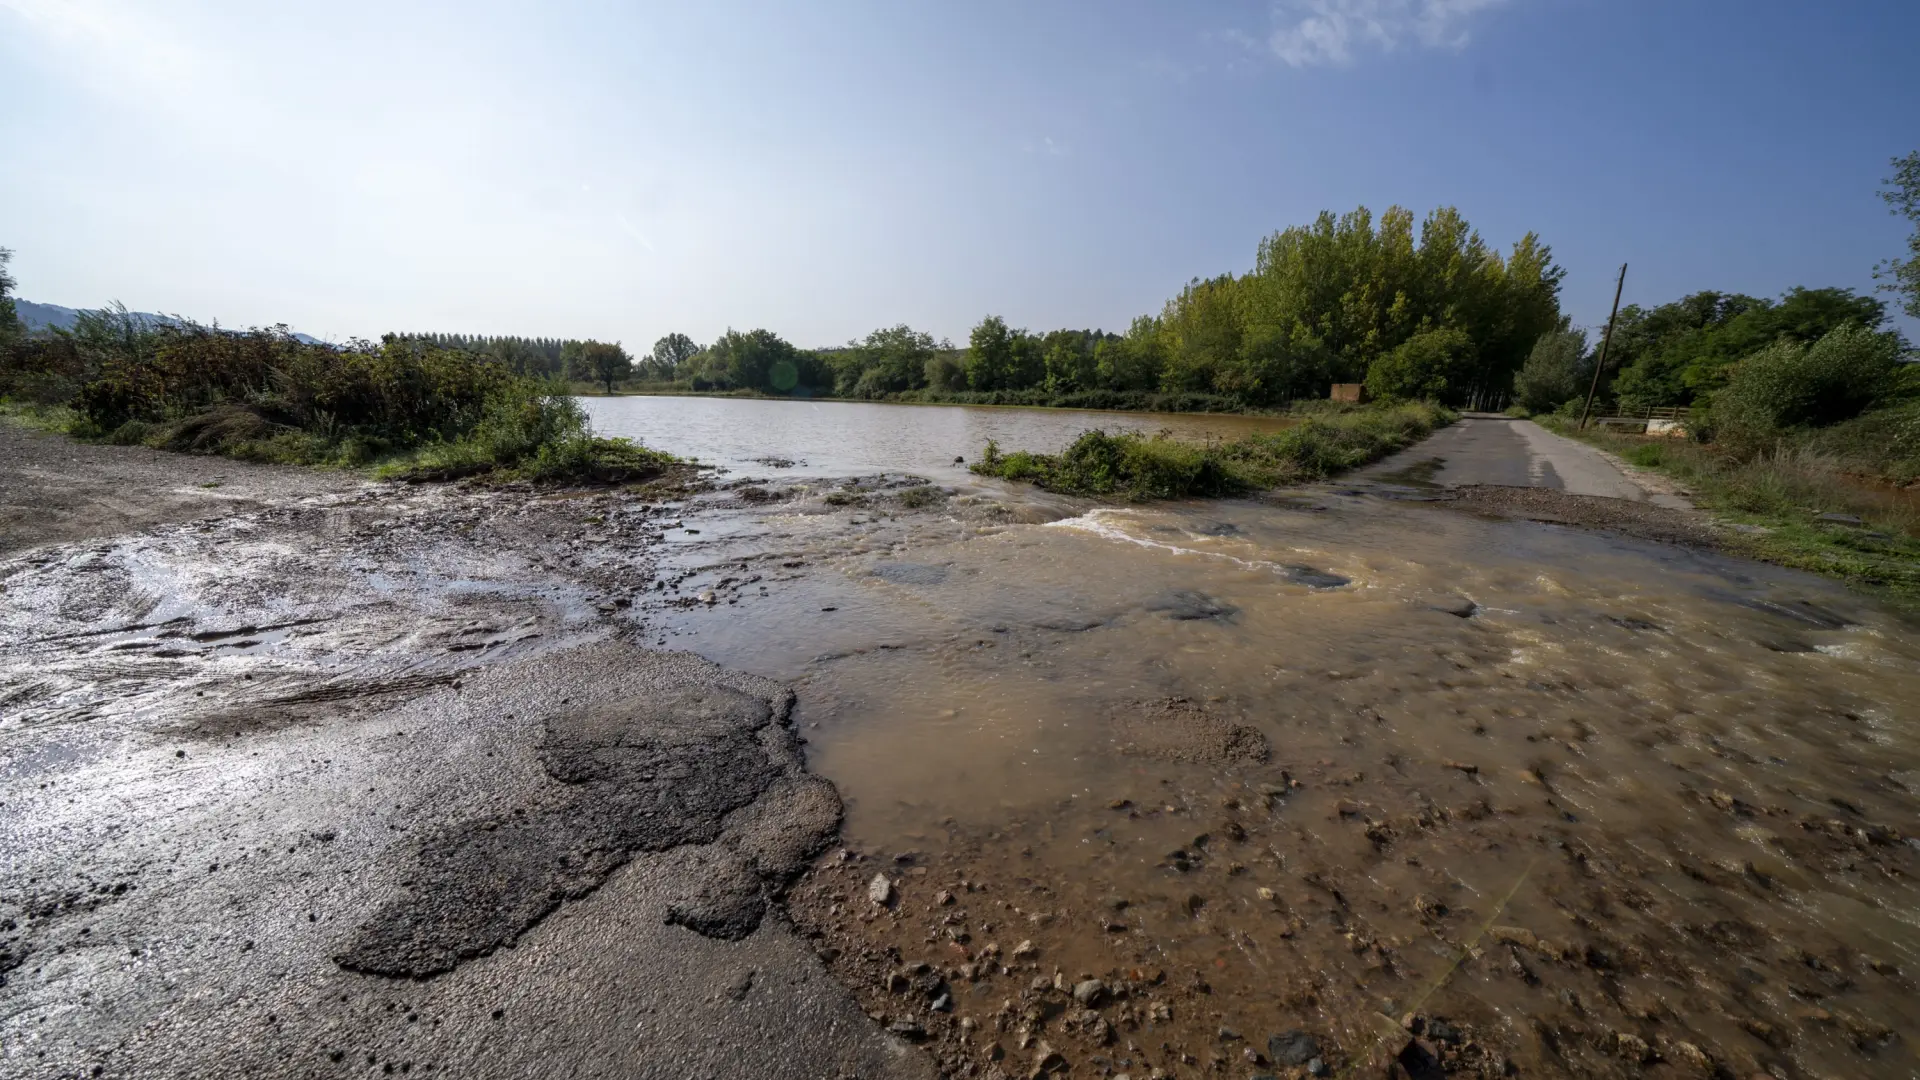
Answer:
[(417, 408), (1140, 467)]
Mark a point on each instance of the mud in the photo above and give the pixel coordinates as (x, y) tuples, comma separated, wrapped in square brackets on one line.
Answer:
[(1341, 781), (384, 780), (1642, 520), (54, 490), (1518, 797)]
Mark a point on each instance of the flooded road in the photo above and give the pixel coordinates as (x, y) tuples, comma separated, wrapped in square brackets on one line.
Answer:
[(853, 438), (1344, 780), (1335, 760)]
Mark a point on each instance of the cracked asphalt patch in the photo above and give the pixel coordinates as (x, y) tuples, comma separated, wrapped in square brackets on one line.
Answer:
[(644, 774)]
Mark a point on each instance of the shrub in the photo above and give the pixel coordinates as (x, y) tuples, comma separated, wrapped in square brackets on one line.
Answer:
[(1788, 385), (1138, 467)]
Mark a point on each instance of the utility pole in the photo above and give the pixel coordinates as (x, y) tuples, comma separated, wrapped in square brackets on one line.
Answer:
[(1606, 340)]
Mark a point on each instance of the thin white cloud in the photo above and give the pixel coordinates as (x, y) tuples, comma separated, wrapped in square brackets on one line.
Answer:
[(1310, 32)]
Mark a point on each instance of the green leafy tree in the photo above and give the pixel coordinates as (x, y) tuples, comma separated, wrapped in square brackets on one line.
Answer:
[(990, 361), (1682, 351), (1420, 366), (10, 328), (944, 371), (1903, 196), (670, 354), (763, 360), (609, 363), (887, 361), (1556, 371)]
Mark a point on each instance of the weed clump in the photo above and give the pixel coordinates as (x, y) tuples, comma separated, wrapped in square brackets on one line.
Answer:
[(1138, 467)]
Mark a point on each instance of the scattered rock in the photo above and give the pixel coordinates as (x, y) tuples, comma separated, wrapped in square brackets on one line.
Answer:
[(1090, 992), (1840, 519), (1460, 608), (900, 573), (880, 890), (1292, 1048), (1316, 579), (1186, 605), (1025, 950)]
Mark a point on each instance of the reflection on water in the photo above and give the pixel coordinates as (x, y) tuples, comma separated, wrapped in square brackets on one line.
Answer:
[(1695, 776), (850, 438)]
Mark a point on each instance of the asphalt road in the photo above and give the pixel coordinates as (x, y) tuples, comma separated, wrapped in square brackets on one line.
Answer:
[(333, 781), (1487, 448)]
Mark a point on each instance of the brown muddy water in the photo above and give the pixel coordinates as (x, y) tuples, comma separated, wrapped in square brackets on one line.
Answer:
[(851, 438), (1328, 765)]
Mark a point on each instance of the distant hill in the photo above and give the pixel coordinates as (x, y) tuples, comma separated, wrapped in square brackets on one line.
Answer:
[(53, 316)]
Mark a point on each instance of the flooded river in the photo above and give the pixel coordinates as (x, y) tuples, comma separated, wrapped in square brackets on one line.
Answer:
[(852, 438), (1334, 760)]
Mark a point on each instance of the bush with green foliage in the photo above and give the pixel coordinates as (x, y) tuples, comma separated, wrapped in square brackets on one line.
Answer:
[(1789, 385), (1557, 370), (1138, 467), (265, 395)]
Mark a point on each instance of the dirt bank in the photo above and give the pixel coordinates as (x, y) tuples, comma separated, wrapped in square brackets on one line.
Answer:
[(53, 489)]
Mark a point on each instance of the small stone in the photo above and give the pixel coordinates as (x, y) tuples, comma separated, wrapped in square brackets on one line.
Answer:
[(896, 983), (1089, 992), (943, 898), (1025, 950), (1227, 1034), (707, 597), (880, 890), (1462, 766), (1293, 1048), (1840, 519), (1632, 1047), (1193, 903), (1264, 893), (943, 1003), (1317, 1067), (1047, 1060), (1515, 935)]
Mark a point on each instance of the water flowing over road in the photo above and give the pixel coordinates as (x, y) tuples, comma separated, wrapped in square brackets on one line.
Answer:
[(1353, 776)]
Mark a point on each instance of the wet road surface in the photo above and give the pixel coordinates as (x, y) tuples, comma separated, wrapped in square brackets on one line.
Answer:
[(1488, 448), (383, 782)]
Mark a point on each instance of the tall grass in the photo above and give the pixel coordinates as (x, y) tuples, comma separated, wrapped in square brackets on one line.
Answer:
[(1802, 493)]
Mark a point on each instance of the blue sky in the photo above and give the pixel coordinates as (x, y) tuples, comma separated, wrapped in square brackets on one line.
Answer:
[(624, 170)]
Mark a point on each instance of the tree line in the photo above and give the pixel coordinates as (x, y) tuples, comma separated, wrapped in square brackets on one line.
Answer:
[(1412, 309)]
